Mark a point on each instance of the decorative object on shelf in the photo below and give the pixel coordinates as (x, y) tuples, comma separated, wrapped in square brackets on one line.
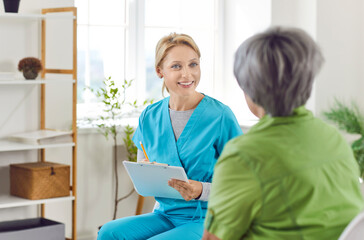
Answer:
[(11, 5), (351, 120), (39, 180), (30, 66), (116, 107)]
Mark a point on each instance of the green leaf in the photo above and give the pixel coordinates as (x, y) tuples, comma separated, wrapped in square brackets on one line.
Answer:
[(349, 119), (358, 144), (114, 106)]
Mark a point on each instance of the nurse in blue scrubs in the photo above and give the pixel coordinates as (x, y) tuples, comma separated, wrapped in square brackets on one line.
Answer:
[(188, 129)]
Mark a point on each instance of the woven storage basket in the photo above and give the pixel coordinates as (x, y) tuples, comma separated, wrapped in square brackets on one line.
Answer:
[(39, 180)]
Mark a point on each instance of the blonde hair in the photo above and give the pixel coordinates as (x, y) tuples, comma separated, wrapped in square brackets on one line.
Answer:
[(166, 43)]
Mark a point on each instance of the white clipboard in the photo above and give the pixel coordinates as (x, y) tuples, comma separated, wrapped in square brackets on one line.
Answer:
[(152, 179)]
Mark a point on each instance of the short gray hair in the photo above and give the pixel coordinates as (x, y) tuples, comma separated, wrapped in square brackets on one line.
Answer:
[(276, 68)]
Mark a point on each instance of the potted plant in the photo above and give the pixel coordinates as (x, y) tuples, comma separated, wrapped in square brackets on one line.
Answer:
[(115, 107), (30, 67), (349, 119)]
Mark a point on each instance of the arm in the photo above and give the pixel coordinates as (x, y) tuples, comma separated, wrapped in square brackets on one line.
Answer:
[(206, 187), (229, 129), (235, 199)]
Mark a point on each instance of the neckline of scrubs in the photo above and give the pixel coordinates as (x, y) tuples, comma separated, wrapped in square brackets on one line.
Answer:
[(189, 126)]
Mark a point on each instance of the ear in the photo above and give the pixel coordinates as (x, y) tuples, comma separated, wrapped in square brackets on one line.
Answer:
[(159, 72), (254, 108)]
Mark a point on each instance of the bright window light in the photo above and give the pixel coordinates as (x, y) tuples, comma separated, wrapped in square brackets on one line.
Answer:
[(119, 41)]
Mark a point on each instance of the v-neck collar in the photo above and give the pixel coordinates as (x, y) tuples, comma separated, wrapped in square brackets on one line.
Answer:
[(190, 123)]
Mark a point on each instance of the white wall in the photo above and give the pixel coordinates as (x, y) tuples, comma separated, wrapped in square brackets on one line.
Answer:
[(338, 28)]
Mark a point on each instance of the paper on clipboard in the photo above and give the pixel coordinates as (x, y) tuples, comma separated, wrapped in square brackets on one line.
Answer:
[(152, 180)]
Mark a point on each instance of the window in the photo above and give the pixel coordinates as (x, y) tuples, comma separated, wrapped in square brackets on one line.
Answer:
[(117, 38), (101, 46), (200, 25)]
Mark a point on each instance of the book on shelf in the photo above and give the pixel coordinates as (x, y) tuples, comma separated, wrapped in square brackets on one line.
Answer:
[(41, 137)]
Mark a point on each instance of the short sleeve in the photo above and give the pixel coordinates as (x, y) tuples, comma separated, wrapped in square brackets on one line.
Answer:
[(138, 134), (229, 128), (235, 198)]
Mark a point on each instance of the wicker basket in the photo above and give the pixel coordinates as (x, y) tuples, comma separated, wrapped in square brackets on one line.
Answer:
[(39, 180)]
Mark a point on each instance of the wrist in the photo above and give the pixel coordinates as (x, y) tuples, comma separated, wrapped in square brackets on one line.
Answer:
[(200, 191)]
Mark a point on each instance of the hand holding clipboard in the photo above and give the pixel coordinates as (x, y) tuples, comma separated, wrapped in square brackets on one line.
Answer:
[(152, 179), (187, 189)]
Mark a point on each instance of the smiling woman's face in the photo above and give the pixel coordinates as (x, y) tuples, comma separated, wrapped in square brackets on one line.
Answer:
[(181, 71)]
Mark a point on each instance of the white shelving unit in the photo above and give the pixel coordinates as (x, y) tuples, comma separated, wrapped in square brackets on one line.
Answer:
[(8, 146), (22, 16), (8, 201), (34, 82)]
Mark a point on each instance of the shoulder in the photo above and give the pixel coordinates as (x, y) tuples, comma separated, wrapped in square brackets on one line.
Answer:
[(245, 146), (235, 145), (236, 157), (215, 104), (155, 106), (217, 108), (153, 109)]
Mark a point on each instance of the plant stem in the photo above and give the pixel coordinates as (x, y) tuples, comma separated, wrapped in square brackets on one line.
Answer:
[(127, 195), (116, 178)]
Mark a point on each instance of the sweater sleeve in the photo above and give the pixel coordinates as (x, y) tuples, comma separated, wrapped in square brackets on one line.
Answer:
[(206, 186), (235, 198)]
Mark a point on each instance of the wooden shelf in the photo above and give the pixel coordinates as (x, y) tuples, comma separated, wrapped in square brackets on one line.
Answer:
[(15, 79), (8, 201), (7, 145), (33, 82), (27, 16)]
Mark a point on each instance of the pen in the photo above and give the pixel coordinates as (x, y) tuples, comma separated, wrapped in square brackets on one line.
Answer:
[(144, 150)]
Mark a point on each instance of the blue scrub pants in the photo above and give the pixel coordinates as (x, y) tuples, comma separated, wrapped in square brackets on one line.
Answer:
[(153, 226)]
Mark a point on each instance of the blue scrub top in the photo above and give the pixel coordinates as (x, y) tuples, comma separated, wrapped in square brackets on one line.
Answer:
[(209, 128)]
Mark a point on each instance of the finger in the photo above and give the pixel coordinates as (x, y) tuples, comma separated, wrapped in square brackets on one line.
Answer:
[(183, 188), (181, 184), (183, 191), (177, 180)]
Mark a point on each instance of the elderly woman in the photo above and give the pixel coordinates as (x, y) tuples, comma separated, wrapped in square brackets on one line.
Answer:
[(291, 176), (188, 129)]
